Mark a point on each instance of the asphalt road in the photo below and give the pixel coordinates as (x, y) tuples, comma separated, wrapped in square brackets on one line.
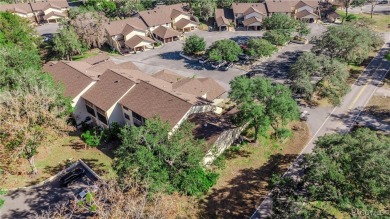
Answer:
[(340, 119)]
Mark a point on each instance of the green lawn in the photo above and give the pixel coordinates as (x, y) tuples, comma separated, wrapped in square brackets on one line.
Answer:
[(51, 159), (381, 22), (85, 55)]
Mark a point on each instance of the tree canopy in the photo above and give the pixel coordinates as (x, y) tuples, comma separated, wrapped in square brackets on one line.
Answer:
[(194, 44), (258, 48), (226, 49), (321, 74), (278, 37), (348, 172), (280, 21), (166, 162), (348, 43), (66, 43), (262, 103), (32, 105), (89, 27)]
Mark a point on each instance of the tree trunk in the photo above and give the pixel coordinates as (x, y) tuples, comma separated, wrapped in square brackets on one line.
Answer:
[(256, 140), (32, 165), (346, 12), (372, 9)]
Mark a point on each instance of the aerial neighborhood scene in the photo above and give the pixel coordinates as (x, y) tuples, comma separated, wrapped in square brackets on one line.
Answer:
[(194, 109)]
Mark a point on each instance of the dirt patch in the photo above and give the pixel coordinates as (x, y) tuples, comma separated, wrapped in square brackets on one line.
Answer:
[(243, 182)]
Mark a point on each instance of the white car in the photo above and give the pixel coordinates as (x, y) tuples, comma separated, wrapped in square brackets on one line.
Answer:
[(304, 115)]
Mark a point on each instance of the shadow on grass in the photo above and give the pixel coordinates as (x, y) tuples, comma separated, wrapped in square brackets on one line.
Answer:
[(242, 194)]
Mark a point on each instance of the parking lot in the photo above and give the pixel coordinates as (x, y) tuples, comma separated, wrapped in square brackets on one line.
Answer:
[(167, 56), (30, 202)]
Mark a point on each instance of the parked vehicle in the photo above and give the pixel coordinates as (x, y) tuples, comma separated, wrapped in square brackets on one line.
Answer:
[(303, 116), (47, 37), (203, 60), (250, 74), (218, 64), (243, 57), (72, 177), (226, 66), (384, 2)]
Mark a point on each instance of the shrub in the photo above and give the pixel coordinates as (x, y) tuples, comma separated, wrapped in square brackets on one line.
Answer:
[(258, 47), (283, 133), (194, 44), (277, 37), (91, 139)]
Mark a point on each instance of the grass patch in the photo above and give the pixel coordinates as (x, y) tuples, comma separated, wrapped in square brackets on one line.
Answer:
[(85, 55), (381, 22), (328, 208), (387, 56), (248, 169), (51, 159)]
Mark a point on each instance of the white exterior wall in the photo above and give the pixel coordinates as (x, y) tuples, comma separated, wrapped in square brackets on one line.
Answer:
[(78, 103), (47, 11), (306, 7), (114, 114), (254, 14), (155, 27), (133, 33), (144, 43), (180, 17)]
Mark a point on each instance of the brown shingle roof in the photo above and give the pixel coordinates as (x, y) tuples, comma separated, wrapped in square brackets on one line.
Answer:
[(74, 81), (251, 20), (304, 13), (118, 27), (199, 87), (135, 40), (165, 32), (223, 16), (96, 59), (242, 8), (127, 65), (38, 6), (303, 3), (184, 22), (162, 14), (168, 76), (108, 90), (54, 13), (280, 7), (150, 101)]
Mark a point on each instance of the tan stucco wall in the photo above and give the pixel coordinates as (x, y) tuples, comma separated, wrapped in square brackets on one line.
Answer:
[(306, 7), (180, 17), (47, 11), (133, 33), (253, 14)]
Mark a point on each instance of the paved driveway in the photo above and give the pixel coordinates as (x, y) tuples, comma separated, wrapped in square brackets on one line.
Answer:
[(30, 202), (167, 57), (47, 28)]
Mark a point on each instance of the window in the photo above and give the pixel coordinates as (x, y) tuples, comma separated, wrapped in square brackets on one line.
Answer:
[(125, 108), (90, 109), (127, 116), (102, 118), (137, 119)]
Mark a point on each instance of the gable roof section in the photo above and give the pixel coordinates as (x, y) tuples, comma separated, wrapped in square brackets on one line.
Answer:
[(280, 6), (200, 87), (38, 6), (118, 27), (54, 13), (184, 22), (251, 20), (165, 32), (303, 3), (162, 14), (223, 16), (150, 101), (127, 65), (97, 59), (74, 81), (243, 8), (137, 39), (108, 90), (168, 76), (304, 13)]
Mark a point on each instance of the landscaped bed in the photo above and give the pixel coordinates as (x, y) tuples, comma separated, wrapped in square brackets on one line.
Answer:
[(52, 158)]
